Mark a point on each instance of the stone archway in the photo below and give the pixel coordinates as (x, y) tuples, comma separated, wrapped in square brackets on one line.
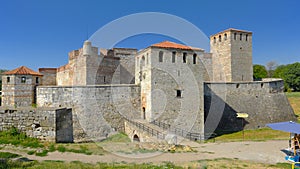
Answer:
[(136, 138)]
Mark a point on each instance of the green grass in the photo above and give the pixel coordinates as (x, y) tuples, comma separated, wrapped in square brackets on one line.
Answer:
[(14, 137), (43, 153), (8, 155), (120, 137), (262, 134), (293, 94), (31, 152), (61, 148)]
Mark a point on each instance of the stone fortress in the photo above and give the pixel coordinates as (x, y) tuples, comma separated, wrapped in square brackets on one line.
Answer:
[(184, 88)]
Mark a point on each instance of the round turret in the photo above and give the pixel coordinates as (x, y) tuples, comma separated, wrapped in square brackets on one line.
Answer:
[(87, 48)]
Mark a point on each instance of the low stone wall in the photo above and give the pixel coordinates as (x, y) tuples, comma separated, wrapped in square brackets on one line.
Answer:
[(97, 110), (39, 123), (264, 102)]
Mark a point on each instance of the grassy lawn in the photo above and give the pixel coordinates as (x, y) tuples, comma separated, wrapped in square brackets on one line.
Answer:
[(262, 134)]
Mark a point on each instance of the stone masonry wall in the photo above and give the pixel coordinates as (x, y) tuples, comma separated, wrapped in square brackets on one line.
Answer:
[(49, 76), (39, 123), (264, 102), (97, 110)]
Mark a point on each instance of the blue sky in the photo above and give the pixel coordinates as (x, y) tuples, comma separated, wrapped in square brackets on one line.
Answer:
[(38, 33)]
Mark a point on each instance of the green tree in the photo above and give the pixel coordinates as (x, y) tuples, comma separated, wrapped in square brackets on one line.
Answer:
[(290, 74), (259, 72)]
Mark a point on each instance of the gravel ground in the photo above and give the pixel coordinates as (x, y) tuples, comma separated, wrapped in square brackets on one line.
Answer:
[(264, 152)]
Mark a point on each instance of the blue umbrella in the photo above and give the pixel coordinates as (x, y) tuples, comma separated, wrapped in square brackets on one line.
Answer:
[(288, 126)]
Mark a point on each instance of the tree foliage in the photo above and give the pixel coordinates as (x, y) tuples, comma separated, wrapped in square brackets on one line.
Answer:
[(290, 74), (259, 72)]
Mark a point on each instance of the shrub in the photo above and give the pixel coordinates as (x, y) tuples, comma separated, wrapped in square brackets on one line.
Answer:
[(61, 148)]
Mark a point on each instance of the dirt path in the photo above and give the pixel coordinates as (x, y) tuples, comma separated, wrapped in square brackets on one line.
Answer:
[(265, 152)]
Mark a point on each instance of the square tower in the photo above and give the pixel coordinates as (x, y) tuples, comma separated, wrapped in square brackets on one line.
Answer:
[(19, 87), (232, 55)]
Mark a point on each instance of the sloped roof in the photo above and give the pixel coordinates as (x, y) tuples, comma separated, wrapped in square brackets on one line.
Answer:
[(168, 44), (23, 70)]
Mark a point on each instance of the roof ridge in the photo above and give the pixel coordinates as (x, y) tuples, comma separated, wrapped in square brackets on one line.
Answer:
[(22, 70), (174, 45)]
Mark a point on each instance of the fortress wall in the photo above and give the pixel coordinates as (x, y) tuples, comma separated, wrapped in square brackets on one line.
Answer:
[(264, 102), (49, 76), (39, 123), (127, 64), (97, 110)]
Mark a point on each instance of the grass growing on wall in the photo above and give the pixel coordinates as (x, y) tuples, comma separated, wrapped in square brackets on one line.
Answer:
[(16, 138)]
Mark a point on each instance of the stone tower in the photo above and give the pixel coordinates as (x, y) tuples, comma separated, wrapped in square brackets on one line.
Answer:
[(232, 55), (18, 87), (171, 77)]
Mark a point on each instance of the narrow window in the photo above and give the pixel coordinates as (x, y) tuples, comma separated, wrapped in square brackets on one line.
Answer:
[(225, 36), (194, 58), (173, 57), (8, 79), (23, 79), (178, 73), (37, 80), (146, 61), (184, 57), (241, 35), (161, 55), (104, 79), (215, 40), (178, 93), (234, 36), (246, 37), (220, 38), (237, 85)]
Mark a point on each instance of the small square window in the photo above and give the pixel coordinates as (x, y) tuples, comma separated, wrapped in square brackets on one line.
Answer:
[(178, 93), (23, 79)]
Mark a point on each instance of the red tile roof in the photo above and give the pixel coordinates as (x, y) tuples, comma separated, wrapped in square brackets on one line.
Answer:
[(168, 44), (23, 70)]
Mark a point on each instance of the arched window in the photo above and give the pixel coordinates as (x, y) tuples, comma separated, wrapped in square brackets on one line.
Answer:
[(225, 36), (215, 40), (184, 57), (241, 35), (234, 36), (160, 57), (173, 57), (220, 38), (194, 58)]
